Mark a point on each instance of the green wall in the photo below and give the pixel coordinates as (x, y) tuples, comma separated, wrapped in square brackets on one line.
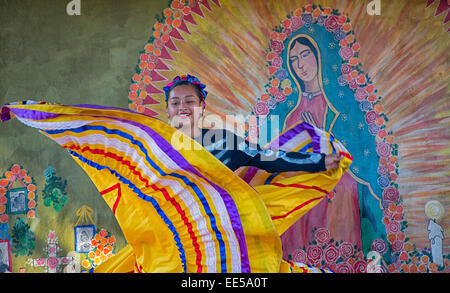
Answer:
[(47, 55)]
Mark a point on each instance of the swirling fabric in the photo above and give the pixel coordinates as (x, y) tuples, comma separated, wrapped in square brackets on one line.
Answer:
[(181, 209)]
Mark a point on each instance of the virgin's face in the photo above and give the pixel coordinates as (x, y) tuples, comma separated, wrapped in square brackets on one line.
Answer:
[(184, 106), (303, 62)]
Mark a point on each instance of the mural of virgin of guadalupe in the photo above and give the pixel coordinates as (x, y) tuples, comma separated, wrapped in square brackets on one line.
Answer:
[(312, 66)]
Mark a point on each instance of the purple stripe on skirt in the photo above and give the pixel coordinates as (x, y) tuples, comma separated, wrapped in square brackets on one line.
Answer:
[(33, 114), (291, 133)]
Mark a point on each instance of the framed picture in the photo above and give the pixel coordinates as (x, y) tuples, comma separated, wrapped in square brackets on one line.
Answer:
[(5, 256), (83, 237), (17, 201)]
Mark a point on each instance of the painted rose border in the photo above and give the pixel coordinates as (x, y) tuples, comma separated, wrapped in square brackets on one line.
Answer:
[(404, 255), (11, 175)]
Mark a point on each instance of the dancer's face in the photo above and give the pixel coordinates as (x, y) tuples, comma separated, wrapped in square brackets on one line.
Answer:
[(303, 62), (184, 106)]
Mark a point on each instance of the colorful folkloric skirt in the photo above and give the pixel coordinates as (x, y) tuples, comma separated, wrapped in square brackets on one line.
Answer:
[(179, 207)]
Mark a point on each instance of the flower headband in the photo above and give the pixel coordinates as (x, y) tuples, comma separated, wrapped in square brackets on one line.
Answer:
[(191, 79)]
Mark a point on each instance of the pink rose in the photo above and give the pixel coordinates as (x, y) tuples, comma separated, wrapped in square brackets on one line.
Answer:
[(346, 53), (261, 108), (346, 68), (52, 262), (277, 46), (379, 246), (296, 23), (277, 62), (331, 253), (322, 235), (353, 85), (299, 256), (40, 261), (314, 254), (383, 149), (331, 23), (346, 250)]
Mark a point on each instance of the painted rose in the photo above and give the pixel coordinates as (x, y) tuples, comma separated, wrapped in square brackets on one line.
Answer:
[(361, 94), (307, 19), (320, 20), (379, 246), (52, 262), (391, 194), (373, 129), (383, 149), (346, 53), (342, 80), (277, 62), (346, 250), (322, 235), (277, 46), (282, 74), (360, 266), (346, 68), (344, 268), (280, 97), (393, 227), (261, 108), (383, 181), (352, 84), (299, 256), (365, 106), (272, 103), (296, 23), (331, 23), (370, 117), (314, 254), (331, 253), (339, 35)]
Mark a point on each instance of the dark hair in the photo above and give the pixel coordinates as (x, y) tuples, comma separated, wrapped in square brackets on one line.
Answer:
[(185, 82), (306, 42)]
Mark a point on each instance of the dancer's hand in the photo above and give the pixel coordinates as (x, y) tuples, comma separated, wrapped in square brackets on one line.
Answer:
[(332, 161)]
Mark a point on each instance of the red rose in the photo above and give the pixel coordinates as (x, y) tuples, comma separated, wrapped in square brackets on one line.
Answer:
[(331, 253), (346, 68), (360, 266), (393, 227), (344, 268), (277, 46), (331, 23), (314, 254), (391, 194), (261, 109), (371, 116)]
